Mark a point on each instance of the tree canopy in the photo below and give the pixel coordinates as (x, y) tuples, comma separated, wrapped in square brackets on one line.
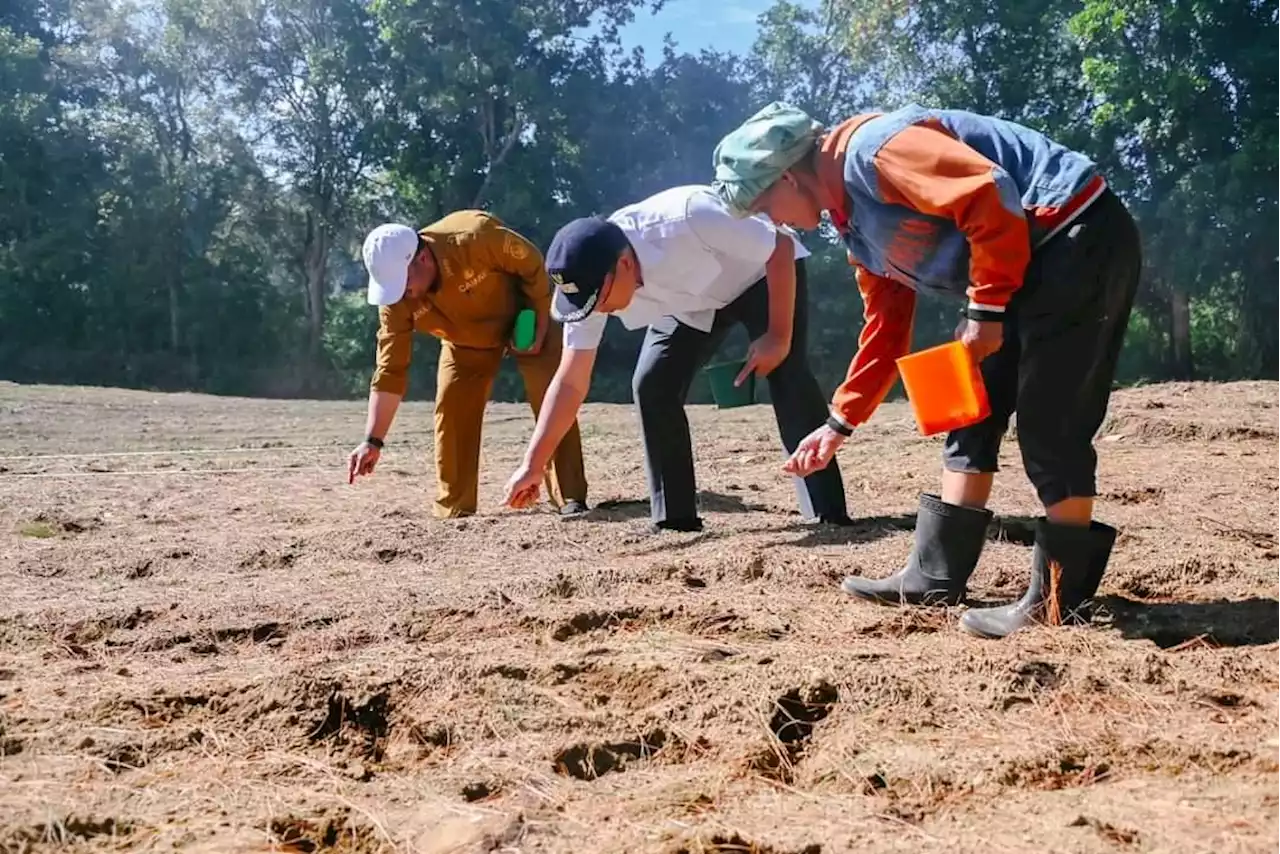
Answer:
[(184, 185)]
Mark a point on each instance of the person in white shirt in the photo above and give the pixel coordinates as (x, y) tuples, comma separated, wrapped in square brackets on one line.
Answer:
[(682, 265)]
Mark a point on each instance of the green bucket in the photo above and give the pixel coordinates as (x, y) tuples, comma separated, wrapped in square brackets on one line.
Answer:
[(724, 392)]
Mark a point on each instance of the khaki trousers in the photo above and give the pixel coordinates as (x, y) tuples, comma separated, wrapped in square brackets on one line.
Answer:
[(464, 381)]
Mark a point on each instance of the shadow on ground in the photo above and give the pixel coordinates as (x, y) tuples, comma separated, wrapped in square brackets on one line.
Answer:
[(1020, 530), (864, 529), (619, 510), (1245, 622)]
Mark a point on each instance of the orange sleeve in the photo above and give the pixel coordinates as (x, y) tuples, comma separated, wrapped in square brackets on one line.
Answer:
[(888, 312), (925, 168)]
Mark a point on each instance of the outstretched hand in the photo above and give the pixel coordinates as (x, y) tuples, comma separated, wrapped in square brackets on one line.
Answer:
[(362, 461), (814, 452), (522, 489)]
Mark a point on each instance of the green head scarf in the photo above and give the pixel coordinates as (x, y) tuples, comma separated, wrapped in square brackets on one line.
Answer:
[(750, 159)]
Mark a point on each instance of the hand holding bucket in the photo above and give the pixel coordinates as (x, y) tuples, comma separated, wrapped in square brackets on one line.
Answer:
[(945, 388), (727, 392)]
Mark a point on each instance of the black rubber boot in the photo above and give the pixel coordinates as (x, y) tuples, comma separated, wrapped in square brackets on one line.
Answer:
[(949, 539), (685, 526), (1067, 566)]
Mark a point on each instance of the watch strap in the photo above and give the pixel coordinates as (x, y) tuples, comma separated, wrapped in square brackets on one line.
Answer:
[(838, 426), (983, 315)]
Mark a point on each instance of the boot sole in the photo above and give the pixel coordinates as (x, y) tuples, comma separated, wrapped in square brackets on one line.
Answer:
[(978, 633), (926, 601)]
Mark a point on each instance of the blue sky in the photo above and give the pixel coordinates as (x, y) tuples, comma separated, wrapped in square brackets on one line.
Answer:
[(726, 25)]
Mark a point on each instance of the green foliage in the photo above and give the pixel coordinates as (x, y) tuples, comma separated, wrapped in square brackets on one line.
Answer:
[(349, 345), (184, 186), (1175, 100)]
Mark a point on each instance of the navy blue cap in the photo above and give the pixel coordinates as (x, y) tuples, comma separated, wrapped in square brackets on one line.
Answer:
[(580, 256)]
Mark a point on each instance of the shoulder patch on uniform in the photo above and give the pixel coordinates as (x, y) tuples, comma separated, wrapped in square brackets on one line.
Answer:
[(515, 247)]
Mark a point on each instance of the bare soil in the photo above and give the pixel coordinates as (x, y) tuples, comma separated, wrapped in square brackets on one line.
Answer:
[(209, 642)]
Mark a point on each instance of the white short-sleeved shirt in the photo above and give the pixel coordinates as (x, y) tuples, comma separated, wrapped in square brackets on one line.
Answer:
[(695, 258)]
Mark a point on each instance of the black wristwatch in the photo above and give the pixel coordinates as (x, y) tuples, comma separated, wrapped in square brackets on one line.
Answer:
[(982, 315), (839, 426), (373, 440)]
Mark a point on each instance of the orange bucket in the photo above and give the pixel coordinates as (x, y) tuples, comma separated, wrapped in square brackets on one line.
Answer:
[(945, 388)]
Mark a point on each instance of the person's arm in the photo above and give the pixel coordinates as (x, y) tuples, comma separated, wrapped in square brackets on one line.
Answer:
[(565, 396), (387, 387), (771, 349), (394, 349), (514, 254), (888, 313), (754, 240), (926, 169), (391, 368), (780, 276), (382, 411)]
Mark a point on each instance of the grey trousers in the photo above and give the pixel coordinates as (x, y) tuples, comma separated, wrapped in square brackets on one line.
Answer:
[(671, 357)]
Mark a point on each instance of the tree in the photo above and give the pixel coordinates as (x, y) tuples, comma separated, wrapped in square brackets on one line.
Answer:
[(311, 92), (804, 56), (50, 165), (477, 101), (184, 185), (1185, 98)]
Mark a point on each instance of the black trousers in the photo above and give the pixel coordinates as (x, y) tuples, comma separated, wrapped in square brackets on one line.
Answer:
[(671, 357), (1062, 339)]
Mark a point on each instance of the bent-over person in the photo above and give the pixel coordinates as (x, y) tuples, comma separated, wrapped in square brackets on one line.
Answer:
[(1045, 260), (462, 279)]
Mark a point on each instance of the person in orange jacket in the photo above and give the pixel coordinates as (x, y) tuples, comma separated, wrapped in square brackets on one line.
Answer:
[(1047, 257)]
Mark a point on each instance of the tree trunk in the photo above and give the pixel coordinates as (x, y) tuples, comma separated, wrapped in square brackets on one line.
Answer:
[(495, 156), (316, 254), (1180, 334), (1258, 308), (173, 278), (175, 328), (172, 255)]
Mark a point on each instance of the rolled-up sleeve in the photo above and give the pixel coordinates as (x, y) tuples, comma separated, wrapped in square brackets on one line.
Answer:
[(395, 348)]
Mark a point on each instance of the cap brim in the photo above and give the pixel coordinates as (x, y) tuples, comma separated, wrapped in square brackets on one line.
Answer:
[(563, 310), (387, 292)]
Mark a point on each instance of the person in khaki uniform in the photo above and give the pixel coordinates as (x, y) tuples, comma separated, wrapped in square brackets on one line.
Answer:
[(462, 279)]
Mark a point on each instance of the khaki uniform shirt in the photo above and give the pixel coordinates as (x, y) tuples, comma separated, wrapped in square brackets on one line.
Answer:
[(486, 273)]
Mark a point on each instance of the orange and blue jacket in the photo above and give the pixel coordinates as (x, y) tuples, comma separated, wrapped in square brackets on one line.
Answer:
[(942, 201)]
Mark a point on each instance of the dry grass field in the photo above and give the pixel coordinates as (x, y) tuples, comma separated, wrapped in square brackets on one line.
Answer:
[(210, 642)]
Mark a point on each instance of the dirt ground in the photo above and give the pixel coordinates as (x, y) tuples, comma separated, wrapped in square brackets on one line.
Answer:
[(210, 642)]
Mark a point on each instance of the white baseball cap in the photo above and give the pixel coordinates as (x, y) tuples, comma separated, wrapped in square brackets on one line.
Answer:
[(387, 252)]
